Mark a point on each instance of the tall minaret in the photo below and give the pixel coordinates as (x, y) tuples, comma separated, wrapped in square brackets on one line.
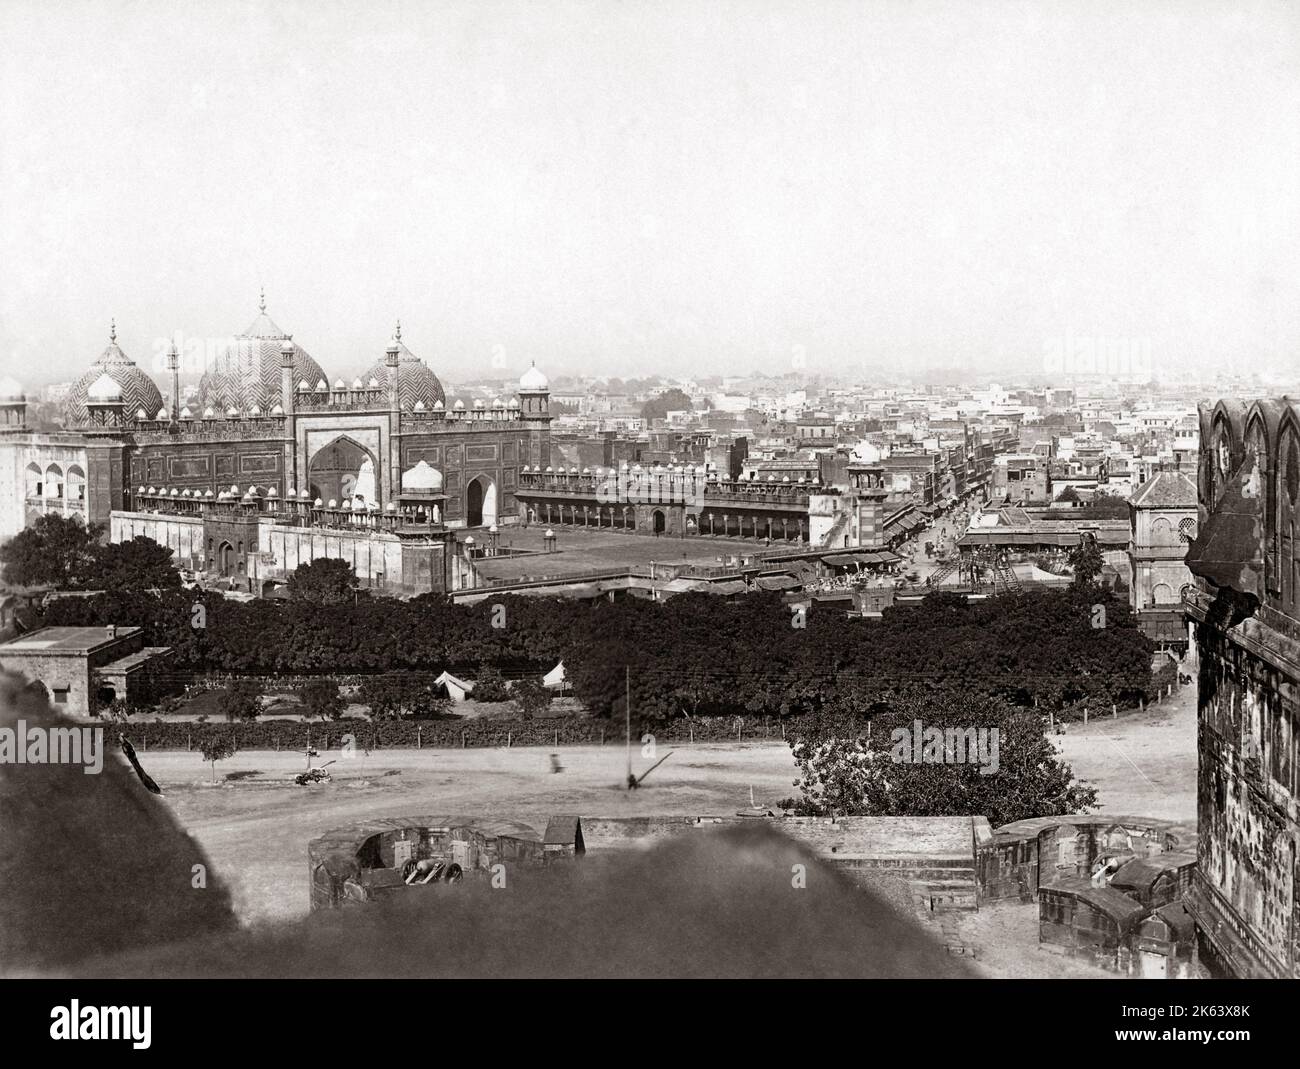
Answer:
[(174, 366), (391, 358)]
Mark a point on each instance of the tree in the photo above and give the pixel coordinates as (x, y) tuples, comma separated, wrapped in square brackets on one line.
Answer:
[(531, 697), (242, 700), (1086, 560), (325, 581), (54, 551), (215, 746), (1010, 772), (139, 564), (669, 401), (1069, 494), (320, 697), (395, 695), (490, 686)]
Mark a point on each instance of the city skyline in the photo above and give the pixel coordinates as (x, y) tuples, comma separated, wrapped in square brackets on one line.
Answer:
[(643, 190)]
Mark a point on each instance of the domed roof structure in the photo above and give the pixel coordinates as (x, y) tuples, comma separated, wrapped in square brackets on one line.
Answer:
[(247, 372), (138, 389), (415, 382), (533, 381)]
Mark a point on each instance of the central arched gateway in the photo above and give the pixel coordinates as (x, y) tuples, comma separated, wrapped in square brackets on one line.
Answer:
[(480, 502), (342, 471), (660, 521)]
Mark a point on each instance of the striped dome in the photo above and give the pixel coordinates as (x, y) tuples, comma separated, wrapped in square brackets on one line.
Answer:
[(247, 372), (415, 382), (138, 389)]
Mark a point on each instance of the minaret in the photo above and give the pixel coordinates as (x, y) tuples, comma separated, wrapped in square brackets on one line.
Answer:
[(174, 366), (286, 376), (391, 364)]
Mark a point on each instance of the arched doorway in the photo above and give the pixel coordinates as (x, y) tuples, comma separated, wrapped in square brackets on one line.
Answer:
[(659, 521), (225, 558), (480, 502), (342, 471)]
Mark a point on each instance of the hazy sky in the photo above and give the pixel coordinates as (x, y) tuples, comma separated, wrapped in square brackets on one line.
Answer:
[(683, 187)]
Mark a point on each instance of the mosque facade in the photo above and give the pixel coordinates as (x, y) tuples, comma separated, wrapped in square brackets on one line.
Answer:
[(275, 464)]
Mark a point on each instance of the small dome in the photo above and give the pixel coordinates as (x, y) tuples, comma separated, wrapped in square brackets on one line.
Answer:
[(273, 492), (318, 503), (162, 414), (208, 494), (419, 406), (303, 387), (141, 414), (175, 492), (373, 383), (142, 490), (152, 490), (356, 384), (208, 413), (533, 381), (333, 503), (186, 413), (256, 410), (513, 403), (478, 404), (339, 384), (278, 410), (459, 406), (104, 388), (346, 506), (321, 386), (305, 495), (232, 412), (438, 406), (235, 490), (422, 477)]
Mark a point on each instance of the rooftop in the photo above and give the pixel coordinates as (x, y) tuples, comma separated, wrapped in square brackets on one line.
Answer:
[(66, 640)]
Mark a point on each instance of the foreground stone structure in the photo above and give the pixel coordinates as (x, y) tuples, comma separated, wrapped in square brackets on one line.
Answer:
[(1245, 605)]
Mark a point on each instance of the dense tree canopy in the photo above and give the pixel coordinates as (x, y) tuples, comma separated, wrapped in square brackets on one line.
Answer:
[(325, 581), (692, 655), (55, 551)]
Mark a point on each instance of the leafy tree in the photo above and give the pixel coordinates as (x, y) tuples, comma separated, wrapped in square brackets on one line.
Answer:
[(54, 551), (1086, 560), (673, 400), (241, 700), (215, 746), (326, 581), (490, 686), (1069, 494), (139, 564), (530, 696), (851, 768), (395, 695), (320, 697)]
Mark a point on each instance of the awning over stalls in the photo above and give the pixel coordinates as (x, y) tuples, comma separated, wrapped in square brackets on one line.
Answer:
[(730, 586), (842, 560), (777, 582)]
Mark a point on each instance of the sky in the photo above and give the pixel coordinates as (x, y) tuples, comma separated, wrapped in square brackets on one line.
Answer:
[(626, 188)]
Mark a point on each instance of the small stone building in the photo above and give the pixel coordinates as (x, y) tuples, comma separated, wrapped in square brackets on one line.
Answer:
[(83, 668)]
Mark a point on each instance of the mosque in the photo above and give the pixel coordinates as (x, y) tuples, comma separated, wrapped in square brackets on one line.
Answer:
[(274, 465)]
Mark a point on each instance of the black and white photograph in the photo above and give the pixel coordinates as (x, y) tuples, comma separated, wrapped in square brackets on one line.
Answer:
[(737, 490)]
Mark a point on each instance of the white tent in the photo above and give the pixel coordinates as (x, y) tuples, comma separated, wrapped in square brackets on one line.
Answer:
[(555, 678), (457, 689)]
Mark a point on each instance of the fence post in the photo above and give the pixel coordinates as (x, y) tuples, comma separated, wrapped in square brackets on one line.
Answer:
[(187, 740), (1085, 716), (509, 735), (557, 738), (1114, 711), (691, 728), (1051, 721), (419, 744), (462, 740)]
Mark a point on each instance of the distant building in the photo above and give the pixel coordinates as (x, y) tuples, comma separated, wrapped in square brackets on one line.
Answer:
[(1163, 521)]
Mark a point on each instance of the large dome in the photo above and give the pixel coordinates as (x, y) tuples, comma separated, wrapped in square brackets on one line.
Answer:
[(138, 389), (247, 372), (415, 382)]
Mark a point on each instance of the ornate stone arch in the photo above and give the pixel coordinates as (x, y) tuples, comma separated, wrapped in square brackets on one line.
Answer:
[(1287, 512)]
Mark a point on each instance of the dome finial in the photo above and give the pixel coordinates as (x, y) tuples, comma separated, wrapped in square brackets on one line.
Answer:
[(398, 335), (261, 302), (112, 330)]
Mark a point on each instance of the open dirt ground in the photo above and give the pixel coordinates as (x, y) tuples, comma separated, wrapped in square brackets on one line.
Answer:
[(255, 824)]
